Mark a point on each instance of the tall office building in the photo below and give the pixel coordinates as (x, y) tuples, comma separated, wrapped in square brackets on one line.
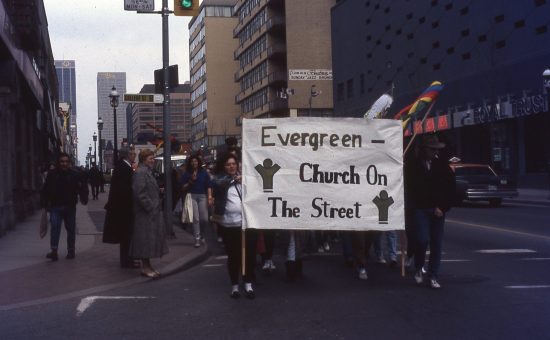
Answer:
[(284, 56), (490, 56), (66, 79), (147, 120), (105, 82), (211, 45)]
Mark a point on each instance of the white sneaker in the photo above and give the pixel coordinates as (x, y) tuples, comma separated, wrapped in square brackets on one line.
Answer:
[(382, 260), (272, 265), (321, 249), (363, 274), (326, 246), (266, 265), (434, 284), (418, 277), (424, 270), (197, 243)]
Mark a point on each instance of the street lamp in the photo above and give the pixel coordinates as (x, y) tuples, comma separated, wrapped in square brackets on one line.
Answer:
[(99, 128), (546, 80), (114, 104), (95, 147), (312, 93)]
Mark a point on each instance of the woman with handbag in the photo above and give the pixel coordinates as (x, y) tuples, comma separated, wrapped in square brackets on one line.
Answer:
[(196, 182), (228, 215)]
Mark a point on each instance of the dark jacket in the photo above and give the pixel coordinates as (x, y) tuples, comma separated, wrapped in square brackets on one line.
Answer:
[(63, 189), (119, 218), (429, 189), (220, 187), (94, 176)]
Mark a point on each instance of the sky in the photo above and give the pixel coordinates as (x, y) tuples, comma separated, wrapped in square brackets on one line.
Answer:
[(102, 37)]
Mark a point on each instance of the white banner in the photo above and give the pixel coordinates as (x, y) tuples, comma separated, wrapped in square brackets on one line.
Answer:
[(323, 174), (314, 74)]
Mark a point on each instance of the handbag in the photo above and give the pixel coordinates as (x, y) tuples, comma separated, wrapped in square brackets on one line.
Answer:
[(44, 223), (187, 212)]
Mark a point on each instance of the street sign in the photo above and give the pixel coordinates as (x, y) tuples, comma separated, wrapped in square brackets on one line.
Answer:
[(139, 5), (153, 98)]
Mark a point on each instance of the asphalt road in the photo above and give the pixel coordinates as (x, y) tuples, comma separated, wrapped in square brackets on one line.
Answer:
[(495, 277)]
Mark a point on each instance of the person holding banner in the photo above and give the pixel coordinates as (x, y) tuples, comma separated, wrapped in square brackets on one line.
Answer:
[(228, 214), (430, 189)]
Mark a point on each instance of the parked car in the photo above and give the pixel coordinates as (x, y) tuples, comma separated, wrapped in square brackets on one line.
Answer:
[(479, 182)]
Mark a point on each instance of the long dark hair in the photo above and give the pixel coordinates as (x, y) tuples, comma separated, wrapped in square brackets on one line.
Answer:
[(189, 167)]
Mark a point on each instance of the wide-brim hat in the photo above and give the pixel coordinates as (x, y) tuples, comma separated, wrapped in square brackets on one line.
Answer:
[(432, 142)]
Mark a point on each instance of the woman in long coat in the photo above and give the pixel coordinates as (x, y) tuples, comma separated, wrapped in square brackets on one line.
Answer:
[(149, 236)]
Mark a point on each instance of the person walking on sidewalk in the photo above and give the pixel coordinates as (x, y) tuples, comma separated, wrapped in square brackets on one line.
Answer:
[(95, 180), (63, 187), (430, 188), (119, 219), (149, 234), (228, 215), (196, 182)]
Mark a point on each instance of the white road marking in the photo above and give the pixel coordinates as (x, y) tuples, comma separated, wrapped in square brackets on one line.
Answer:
[(482, 226), (536, 259), (213, 265), (223, 257), (505, 251), (528, 287), (456, 260), (86, 302)]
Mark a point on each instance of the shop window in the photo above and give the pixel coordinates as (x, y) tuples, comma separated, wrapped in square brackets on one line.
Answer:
[(500, 44), (464, 11), (435, 24), (499, 18)]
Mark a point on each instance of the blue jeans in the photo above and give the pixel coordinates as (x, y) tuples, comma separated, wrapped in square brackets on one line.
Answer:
[(57, 216), (200, 215), (390, 237), (428, 229)]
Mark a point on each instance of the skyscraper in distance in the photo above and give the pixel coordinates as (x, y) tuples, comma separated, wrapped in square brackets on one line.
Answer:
[(105, 82), (66, 79)]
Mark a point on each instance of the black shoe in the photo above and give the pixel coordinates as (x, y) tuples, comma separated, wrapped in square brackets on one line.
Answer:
[(393, 264), (70, 254), (52, 255), (235, 294), (250, 294)]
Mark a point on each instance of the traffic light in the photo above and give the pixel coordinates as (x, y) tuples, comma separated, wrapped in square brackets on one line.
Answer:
[(187, 8)]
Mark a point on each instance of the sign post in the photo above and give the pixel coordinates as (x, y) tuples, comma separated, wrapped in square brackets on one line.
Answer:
[(152, 98)]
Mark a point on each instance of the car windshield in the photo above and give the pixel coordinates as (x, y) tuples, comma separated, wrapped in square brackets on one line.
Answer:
[(473, 171)]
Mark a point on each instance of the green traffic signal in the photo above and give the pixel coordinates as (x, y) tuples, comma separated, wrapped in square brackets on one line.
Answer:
[(187, 4)]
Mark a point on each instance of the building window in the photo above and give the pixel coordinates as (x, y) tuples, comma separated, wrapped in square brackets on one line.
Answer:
[(519, 24), (435, 44), (465, 33), (499, 18), (482, 38), (350, 88), (500, 44), (450, 50), (540, 2), (541, 29), (466, 56), (340, 92)]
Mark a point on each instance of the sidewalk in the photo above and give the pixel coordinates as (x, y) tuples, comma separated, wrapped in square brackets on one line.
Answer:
[(531, 196), (27, 277)]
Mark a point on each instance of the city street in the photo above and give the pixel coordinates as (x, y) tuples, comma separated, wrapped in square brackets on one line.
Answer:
[(495, 278)]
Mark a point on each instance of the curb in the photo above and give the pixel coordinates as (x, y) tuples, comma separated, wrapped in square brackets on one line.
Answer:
[(527, 201)]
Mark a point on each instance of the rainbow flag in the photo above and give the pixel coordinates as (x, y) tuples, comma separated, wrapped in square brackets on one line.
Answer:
[(424, 100)]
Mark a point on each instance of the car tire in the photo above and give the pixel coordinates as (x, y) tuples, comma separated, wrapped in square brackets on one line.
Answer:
[(495, 202)]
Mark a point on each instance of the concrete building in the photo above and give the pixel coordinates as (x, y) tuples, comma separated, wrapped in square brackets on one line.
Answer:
[(490, 56), (105, 82), (284, 58), (30, 127), (215, 114), (66, 77), (147, 120)]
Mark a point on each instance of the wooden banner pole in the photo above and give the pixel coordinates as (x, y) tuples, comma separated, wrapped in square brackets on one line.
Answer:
[(414, 134)]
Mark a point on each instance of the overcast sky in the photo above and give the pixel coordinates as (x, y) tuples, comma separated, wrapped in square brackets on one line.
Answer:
[(102, 37)]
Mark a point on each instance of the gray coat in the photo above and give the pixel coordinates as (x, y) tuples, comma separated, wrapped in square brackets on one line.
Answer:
[(149, 234)]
